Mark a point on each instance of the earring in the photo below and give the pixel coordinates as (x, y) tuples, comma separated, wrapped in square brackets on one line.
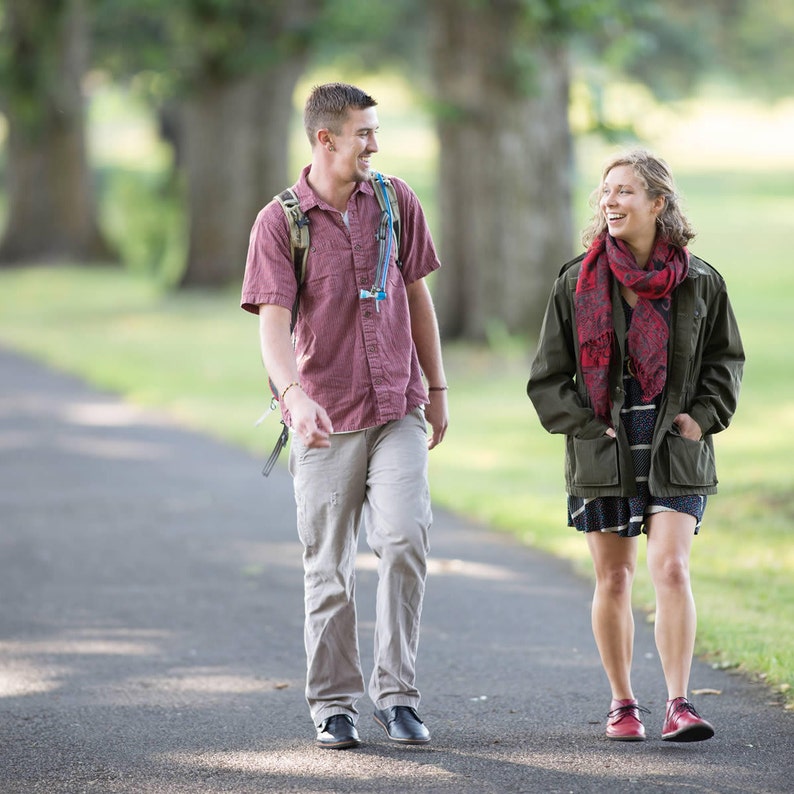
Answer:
[(331, 147)]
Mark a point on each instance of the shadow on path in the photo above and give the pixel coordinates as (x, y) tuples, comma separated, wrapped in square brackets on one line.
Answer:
[(151, 636)]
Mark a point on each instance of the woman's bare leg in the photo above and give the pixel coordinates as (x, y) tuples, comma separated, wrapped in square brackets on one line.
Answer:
[(614, 561), (669, 545)]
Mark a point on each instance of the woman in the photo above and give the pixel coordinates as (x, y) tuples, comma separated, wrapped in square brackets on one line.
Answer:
[(639, 363)]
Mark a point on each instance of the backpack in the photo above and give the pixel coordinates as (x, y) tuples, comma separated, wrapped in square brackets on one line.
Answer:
[(299, 249)]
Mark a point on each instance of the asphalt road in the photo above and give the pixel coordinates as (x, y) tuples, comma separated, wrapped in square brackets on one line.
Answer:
[(151, 636)]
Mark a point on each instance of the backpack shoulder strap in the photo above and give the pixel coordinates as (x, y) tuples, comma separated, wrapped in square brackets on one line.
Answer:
[(391, 193), (298, 240)]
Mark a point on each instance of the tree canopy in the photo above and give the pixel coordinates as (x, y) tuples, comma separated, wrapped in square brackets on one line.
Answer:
[(220, 75)]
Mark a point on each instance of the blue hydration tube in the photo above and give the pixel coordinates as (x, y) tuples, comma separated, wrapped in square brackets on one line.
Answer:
[(385, 236)]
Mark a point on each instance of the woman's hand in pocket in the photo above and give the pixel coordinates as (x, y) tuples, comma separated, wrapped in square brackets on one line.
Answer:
[(688, 427)]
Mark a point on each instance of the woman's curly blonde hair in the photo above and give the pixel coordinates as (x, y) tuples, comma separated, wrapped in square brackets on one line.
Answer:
[(658, 180)]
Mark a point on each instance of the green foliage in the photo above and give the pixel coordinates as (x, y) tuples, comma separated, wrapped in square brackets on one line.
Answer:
[(143, 213), (133, 38), (758, 47), (222, 39), (190, 41), (29, 58), (673, 46), (569, 17), (669, 45), (371, 35), (664, 45)]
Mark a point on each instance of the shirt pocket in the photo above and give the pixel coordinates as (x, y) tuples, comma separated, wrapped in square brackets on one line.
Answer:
[(329, 276), (324, 260)]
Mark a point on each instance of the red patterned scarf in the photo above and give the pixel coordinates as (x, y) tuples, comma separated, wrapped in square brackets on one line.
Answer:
[(667, 267)]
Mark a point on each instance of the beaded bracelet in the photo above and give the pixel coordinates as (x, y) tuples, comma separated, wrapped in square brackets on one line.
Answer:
[(288, 387)]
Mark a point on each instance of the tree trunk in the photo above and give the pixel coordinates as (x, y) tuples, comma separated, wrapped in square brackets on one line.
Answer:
[(505, 169), (236, 156), (51, 206)]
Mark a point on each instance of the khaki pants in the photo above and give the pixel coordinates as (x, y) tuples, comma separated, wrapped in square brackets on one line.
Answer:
[(380, 475)]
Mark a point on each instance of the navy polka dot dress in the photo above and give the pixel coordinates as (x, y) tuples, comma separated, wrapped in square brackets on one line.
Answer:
[(626, 515)]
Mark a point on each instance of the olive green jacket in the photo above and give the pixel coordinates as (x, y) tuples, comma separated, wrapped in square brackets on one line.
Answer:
[(704, 371)]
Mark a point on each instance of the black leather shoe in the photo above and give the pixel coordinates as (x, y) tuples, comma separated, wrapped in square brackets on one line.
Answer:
[(402, 724), (337, 733)]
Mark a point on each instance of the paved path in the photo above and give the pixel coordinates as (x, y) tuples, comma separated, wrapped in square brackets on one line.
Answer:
[(150, 636)]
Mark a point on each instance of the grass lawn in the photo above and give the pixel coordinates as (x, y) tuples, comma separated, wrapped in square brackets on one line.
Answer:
[(196, 355)]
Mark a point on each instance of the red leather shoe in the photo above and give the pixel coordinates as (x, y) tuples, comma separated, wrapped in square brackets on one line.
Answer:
[(624, 723), (683, 724)]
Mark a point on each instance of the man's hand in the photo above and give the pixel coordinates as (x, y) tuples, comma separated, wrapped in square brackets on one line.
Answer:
[(437, 416), (309, 419)]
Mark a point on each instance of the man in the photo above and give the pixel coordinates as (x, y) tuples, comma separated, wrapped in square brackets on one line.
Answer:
[(363, 378)]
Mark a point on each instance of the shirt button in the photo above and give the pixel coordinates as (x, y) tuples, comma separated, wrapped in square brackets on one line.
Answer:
[(372, 348), (378, 381), (357, 247), (363, 280)]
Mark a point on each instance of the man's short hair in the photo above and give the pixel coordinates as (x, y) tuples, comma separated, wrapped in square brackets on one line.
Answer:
[(327, 107)]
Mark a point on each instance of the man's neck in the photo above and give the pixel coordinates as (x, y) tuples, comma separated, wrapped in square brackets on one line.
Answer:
[(330, 190)]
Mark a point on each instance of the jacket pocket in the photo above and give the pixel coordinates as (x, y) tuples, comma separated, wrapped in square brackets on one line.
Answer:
[(691, 462), (595, 461)]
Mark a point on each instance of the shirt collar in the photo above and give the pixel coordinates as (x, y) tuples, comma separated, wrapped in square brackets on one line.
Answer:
[(308, 199)]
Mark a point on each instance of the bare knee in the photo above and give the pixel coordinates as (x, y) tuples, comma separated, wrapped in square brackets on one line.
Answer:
[(615, 580), (671, 573)]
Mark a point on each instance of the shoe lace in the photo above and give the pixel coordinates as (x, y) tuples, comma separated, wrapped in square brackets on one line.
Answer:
[(681, 706), (406, 709), (333, 720), (621, 712)]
